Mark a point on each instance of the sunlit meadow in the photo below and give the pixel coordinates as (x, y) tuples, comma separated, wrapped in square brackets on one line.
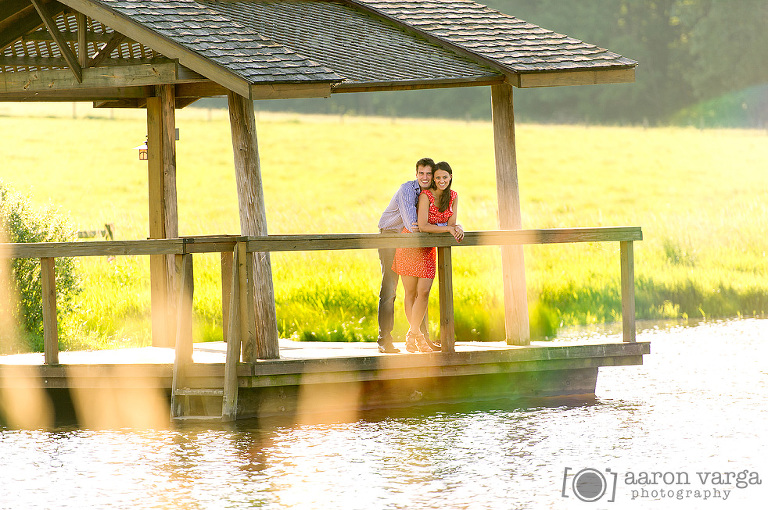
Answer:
[(699, 196)]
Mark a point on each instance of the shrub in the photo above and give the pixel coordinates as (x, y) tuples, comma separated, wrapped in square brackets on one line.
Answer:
[(20, 223)]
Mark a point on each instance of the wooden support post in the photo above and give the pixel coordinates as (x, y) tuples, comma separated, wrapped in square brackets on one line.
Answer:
[(628, 290), (512, 260), (183, 344), (50, 323), (163, 217), (82, 39), (232, 323), (253, 222), (445, 280), (186, 294), (247, 316), (226, 290)]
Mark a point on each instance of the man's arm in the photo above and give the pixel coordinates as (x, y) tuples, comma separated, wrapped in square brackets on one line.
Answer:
[(406, 205)]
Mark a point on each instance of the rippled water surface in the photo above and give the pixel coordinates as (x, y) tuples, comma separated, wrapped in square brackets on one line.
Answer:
[(698, 405)]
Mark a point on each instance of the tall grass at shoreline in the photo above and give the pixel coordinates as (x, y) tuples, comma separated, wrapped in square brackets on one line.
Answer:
[(700, 197)]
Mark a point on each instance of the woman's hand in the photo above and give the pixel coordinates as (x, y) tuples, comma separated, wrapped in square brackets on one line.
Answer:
[(457, 232)]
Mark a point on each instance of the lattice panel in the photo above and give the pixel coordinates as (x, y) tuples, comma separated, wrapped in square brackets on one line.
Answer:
[(40, 45)]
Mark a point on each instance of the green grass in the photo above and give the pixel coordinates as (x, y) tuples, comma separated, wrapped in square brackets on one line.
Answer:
[(699, 195)]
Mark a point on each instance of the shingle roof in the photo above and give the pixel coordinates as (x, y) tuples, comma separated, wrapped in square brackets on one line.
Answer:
[(514, 44), (358, 46), (232, 46), (354, 44)]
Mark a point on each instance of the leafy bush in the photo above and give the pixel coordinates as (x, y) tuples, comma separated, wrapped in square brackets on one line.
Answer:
[(20, 223)]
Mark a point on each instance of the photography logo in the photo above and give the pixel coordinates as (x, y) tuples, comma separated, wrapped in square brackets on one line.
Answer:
[(589, 484)]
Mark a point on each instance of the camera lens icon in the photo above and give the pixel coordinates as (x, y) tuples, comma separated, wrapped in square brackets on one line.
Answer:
[(589, 484)]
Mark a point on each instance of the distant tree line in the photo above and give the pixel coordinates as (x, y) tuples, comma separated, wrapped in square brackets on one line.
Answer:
[(689, 52)]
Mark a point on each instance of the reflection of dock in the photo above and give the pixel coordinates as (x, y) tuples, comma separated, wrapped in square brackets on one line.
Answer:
[(312, 377)]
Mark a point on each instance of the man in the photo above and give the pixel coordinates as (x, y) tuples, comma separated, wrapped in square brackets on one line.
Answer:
[(401, 212)]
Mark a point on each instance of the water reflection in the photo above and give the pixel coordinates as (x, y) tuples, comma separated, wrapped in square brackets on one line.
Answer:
[(698, 403)]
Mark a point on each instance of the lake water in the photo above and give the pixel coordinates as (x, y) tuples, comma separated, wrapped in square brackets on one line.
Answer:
[(695, 411)]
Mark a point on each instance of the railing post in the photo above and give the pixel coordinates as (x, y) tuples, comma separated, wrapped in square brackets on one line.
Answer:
[(445, 280), (50, 323), (184, 314), (226, 290), (247, 313), (232, 320), (628, 290)]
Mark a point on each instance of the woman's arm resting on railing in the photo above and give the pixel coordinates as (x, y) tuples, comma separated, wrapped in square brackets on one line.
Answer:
[(424, 226)]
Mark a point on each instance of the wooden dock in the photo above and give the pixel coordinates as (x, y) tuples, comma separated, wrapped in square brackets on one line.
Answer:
[(113, 388), (253, 375)]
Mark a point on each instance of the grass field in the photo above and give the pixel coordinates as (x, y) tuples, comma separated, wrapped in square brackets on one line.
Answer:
[(700, 197)]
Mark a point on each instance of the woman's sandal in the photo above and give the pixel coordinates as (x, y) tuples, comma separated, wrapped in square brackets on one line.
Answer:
[(422, 344), (410, 342)]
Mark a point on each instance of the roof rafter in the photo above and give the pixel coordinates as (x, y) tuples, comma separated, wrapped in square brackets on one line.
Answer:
[(105, 50), (74, 65), (168, 48)]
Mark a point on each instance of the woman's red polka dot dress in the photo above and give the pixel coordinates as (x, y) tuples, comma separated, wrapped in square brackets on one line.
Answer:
[(421, 262)]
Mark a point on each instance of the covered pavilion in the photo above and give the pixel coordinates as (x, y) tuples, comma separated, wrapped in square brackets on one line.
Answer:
[(162, 55)]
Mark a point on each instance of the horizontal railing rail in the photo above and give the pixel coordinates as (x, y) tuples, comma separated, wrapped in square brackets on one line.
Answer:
[(243, 247), (317, 242)]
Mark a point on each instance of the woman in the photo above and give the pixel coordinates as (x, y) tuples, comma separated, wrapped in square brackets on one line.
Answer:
[(436, 213)]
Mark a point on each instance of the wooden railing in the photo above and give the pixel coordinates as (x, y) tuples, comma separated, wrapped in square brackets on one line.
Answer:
[(240, 249)]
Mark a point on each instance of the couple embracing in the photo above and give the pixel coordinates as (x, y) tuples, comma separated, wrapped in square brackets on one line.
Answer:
[(426, 204)]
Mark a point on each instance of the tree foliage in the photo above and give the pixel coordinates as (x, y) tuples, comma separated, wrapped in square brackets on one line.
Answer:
[(20, 223)]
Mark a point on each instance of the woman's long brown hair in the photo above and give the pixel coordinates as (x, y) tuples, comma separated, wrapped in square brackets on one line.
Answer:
[(445, 198)]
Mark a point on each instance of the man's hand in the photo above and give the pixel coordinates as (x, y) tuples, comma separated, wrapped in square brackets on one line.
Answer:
[(415, 226)]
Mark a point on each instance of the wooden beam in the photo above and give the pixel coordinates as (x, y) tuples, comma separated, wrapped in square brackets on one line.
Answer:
[(21, 61), (248, 326), (170, 210), (170, 49), (231, 327), (226, 290), (116, 94), (82, 39), (478, 81), (512, 259), (319, 242), (168, 110), (253, 221), (9, 61), (107, 49), (567, 78), (10, 8), (50, 323), (92, 77), (628, 290), (200, 89), (50, 24), (121, 103), (22, 24), (68, 36), (158, 267), (484, 238), (290, 90), (183, 321), (445, 280)]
